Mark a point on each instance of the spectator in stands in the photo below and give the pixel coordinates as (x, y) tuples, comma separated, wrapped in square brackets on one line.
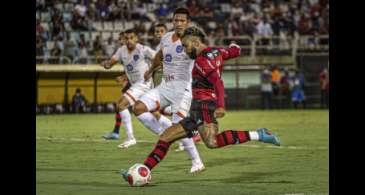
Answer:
[(56, 52), (324, 85), (266, 89), (103, 9), (40, 31), (71, 49), (193, 8), (115, 11), (78, 102), (219, 41), (275, 80), (80, 9), (98, 49), (109, 47), (58, 28), (162, 12), (83, 55), (285, 86), (265, 31), (39, 49), (297, 91)]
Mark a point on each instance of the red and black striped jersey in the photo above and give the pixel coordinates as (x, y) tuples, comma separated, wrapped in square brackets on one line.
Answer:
[(207, 70)]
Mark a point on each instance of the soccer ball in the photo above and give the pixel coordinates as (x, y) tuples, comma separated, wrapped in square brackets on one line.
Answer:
[(139, 175)]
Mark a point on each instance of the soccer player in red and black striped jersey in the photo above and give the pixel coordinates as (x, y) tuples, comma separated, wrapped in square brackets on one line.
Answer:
[(208, 102)]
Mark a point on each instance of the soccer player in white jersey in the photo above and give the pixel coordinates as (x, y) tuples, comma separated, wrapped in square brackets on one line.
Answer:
[(175, 89), (132, 56)]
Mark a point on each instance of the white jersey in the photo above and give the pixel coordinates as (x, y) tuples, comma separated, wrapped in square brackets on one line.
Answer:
[(176, 63), (134, 63)]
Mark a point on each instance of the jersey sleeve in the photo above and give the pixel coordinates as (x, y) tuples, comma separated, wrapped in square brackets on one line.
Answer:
[(150, 53), (231, 52), (204, 66), (118, 55)]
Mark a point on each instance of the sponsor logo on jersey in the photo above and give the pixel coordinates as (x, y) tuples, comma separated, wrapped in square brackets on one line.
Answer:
[(129, 67), (135, 57), (179, 49), (168, 58)]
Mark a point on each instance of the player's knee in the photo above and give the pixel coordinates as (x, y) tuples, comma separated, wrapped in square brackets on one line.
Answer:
[(157, 115), (211, 144), (139, 108)]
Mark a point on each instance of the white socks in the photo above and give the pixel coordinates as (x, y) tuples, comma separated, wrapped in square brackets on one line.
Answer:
[(254, 136), (149, 121), (191, 149), (165, 122), (127, 121)]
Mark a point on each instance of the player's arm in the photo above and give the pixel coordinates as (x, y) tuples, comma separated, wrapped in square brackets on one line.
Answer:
[(232, 51), (156, 64), (107, 64), (215, 79), (212, 74)]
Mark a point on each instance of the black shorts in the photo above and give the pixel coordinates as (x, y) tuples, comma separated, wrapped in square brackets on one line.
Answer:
[(201, 111), (126, 87)]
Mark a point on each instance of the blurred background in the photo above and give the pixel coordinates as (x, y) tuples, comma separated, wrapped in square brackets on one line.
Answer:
[(283, 64)]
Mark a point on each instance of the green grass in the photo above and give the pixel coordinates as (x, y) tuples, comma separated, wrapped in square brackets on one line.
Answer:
[(73, 159)]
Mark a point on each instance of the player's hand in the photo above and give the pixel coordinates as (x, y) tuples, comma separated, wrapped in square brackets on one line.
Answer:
[(219, 112), (147, 75), (234, 45), (106, 64)]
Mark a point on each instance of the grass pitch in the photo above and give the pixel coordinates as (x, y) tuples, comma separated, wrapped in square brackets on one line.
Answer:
[(72, 158)]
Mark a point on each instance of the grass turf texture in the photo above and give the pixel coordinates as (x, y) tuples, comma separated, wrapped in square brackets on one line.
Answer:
[(72, 158)]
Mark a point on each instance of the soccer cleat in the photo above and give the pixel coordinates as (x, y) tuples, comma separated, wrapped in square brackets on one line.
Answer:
[(127, 143), (111, 135), (267, 137), (197, 167)]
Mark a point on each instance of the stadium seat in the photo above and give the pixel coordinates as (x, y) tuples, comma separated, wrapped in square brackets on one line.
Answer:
[(128, 25), (59, 6), (86, 35), (98, 26), (45, 26), (67, 16), (118, 26), (225, 7), (108, 26), (147, 25), (46, 17), (75, 35), (105, 35), (67, 26), (94, 34), (68, 7), (115, 35), (50, 45), (169, 25), (37, 16), (212, 25)]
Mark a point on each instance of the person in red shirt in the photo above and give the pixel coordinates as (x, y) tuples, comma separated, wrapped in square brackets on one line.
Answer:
[(207, 104)]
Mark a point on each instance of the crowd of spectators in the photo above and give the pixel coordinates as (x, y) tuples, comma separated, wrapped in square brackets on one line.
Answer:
[(57, 19)]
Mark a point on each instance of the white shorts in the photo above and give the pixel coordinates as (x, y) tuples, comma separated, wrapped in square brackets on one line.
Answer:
[(175, 93), (136, 91)]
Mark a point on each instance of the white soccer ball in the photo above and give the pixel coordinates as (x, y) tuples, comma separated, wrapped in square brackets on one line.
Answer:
[(139, 175)]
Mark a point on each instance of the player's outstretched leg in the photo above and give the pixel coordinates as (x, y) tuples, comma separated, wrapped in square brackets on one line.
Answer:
[(115, 133)]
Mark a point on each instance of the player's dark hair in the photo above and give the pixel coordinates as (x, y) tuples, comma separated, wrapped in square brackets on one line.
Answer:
[(130, 31), (161, 25), (194, 31), (182, 10)]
